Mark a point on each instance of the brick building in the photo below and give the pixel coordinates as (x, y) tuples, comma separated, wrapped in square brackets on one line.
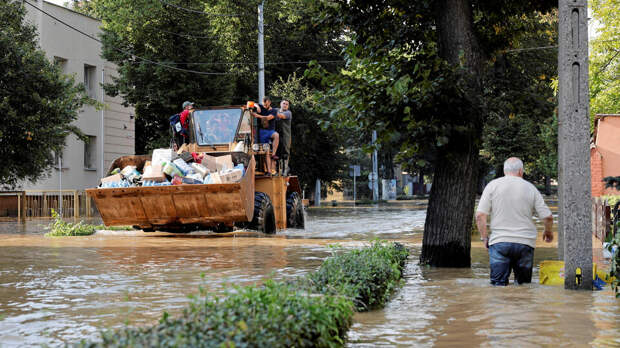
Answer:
[(605, 153)]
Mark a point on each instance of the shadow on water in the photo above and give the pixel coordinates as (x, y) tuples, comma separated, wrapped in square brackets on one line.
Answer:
[(57, 290)]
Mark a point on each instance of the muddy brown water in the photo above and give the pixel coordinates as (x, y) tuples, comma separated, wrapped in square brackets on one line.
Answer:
[(59, 290)]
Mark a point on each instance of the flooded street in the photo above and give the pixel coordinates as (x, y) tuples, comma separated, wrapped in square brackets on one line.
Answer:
[(59, 290)]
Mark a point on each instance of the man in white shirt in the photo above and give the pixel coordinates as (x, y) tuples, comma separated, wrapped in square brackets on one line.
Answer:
[(511, 202)]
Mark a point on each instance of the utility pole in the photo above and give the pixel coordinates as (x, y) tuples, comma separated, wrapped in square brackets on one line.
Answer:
[(375, 174), (575, 206), (261, 55), (102, 137), (60, 185)]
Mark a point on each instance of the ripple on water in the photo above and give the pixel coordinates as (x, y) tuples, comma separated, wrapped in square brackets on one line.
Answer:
[(61, 290)]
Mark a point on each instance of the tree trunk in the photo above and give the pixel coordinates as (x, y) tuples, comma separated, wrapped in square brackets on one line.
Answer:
[(449, 217), (547, 185)]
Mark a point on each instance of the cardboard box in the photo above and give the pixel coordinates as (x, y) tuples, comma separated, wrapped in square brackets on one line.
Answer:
[(215, 178), (230, 176), (161, 155), (210, 163), (200, 169), (112, 178), (217, 164), (181, 149), (224, 162), (153, 173)]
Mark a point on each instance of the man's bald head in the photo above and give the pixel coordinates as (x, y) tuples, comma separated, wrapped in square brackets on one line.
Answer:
[(513, 166)]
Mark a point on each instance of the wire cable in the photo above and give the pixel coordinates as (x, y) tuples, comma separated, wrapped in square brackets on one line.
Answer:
[(129, 53), (531, 49), (266, 63)]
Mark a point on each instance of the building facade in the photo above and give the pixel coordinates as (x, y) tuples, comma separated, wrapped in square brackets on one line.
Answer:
[(605, 153), (111, 130)]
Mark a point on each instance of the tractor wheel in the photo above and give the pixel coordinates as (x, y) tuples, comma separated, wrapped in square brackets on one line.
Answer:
[(264, 219), (294, 211), (222, 228)]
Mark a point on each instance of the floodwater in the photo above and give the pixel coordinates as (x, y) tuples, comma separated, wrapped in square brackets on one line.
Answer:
[(59, 290)]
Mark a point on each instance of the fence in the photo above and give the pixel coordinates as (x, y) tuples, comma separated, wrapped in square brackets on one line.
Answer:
[(40, 203), (602, 218)]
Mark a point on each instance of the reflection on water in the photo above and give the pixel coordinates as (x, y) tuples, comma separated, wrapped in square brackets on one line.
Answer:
[(458, 307), (56, 290)]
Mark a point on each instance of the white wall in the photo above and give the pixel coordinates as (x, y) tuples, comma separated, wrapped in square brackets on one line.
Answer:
[(58, 40)]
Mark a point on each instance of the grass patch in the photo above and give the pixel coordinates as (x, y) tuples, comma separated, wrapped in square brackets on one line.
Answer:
[(313, 311), (61, 228)]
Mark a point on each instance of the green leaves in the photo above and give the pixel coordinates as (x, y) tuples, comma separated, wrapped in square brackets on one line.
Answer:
[(604, 63), (37, 102), (60, 228), (367, 276), (314, 311)]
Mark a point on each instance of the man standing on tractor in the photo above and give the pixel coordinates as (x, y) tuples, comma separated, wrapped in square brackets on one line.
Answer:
[(267, 129), (188, 108), (284, 128)]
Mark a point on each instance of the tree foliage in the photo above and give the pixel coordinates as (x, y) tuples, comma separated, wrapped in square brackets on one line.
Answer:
[(521, 97), (37, 102), (197, 51), (315, 152), (427, 69), (605, 58), (169, 42)]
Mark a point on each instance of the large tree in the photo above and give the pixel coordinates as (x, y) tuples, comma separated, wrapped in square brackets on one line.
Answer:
[(521, 98), (423, 68), (605, 58), (165, 55), (37, 102), (315, 152), (171, 51)]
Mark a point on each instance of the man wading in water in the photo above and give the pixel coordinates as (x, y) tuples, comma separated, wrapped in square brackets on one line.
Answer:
[(511, 201)]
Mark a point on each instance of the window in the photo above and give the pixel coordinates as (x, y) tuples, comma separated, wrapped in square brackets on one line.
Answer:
[(62, 63), (90, 153), (62, 159), (90, 80)]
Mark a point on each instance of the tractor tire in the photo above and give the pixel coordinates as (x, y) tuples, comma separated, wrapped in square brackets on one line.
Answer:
[(264, 219), (222, 228), (294, 211)]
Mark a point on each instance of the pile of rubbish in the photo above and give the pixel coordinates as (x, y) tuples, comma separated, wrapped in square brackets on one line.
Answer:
[(169, 168)]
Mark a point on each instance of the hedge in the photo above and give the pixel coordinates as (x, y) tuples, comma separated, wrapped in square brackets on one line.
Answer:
[(313, 311), (367, 276)]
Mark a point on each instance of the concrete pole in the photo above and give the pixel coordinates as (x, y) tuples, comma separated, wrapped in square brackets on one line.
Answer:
[(375, 181), (575, 208), (317, 193), (354, 188), (261, 55), (102, 172), (60, 186)]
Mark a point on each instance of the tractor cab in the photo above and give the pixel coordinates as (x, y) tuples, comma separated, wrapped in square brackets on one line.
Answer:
[(228, 129)]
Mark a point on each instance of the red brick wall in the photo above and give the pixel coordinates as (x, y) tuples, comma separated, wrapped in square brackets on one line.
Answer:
[(596, 171)]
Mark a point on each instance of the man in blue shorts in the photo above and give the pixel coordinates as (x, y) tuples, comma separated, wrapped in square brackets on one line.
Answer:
[(267, 130), (511, 202)]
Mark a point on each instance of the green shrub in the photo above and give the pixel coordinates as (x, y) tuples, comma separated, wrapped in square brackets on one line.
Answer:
[(60, 228), (313, 311), (275, 314), (368, 276)]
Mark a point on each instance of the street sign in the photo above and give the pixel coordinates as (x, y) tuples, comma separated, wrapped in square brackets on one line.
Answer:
[(372, 176), (355, 171)]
